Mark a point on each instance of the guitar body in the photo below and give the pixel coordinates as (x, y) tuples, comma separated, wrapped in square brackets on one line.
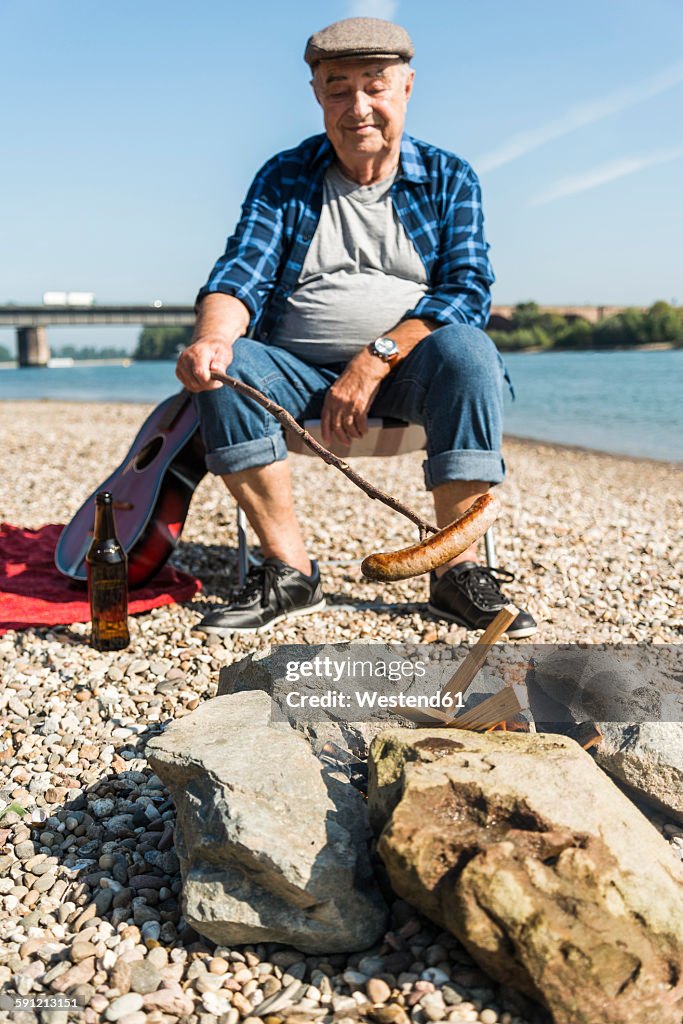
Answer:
[(152, 490)]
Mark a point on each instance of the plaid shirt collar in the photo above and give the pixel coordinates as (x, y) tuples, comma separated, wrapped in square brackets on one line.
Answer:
[(411, 163)]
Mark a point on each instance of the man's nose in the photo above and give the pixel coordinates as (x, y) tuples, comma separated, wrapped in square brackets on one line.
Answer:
[(361, 105)]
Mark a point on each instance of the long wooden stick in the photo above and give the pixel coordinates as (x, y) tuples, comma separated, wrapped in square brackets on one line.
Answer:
[(289, 423)]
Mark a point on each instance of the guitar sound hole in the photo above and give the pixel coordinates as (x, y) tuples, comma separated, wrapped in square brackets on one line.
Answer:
[(148, 454)]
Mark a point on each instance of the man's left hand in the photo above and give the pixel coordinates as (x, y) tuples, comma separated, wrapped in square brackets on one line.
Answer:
[(348, 400)]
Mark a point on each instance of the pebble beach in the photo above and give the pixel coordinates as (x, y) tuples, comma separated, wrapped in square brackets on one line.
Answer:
[(89, 881)]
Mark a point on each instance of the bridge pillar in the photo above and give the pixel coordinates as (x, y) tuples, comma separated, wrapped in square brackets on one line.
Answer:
[(32, 346)]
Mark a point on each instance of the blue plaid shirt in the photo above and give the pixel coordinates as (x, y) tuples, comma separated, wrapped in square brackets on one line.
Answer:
[(436, 196)]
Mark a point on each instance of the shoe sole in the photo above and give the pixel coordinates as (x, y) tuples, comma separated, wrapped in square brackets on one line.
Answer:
[(516, 634), (229, 630)]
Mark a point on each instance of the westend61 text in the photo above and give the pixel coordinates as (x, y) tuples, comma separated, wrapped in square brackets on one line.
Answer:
[(371, 699)]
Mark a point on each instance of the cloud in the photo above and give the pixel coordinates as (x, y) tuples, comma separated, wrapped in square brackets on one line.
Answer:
[(373, 9), (604, 174), (579, 116)]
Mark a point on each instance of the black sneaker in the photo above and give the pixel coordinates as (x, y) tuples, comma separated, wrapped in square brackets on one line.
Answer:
[(470, 595), (273, 591)]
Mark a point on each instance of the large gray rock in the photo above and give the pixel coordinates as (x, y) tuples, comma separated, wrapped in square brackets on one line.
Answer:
[(636, 697), (629, 683), (543, 869), (272, 847), (648, 759)]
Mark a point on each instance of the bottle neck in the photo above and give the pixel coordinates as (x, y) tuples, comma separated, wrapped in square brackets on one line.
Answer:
[(104, 522)]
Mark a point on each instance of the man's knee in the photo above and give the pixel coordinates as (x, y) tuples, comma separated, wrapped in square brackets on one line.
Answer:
[(216, 405), (252, 364), (238, 433), (466, 353)]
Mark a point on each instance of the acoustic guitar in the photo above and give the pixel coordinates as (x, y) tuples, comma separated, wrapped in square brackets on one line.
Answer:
[(152, 490)]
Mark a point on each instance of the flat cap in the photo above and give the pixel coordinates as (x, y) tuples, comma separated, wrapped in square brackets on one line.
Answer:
[(359, 38)]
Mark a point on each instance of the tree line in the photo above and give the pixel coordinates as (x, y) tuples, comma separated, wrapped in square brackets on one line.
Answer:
[(71, 352), (529, 329), (90, 352), (532, 329), (162, 342), (153, 343)]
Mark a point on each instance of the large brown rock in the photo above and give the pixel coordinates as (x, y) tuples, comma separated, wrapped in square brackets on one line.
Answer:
[(545, 871)]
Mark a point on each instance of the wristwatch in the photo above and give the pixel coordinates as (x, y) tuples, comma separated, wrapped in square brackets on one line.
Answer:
[(385, 349)]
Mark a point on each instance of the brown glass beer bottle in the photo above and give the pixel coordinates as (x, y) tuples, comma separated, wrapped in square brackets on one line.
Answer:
[(107, 567)]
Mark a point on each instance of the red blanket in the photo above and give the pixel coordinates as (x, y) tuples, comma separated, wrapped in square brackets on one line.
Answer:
[(34, 593)]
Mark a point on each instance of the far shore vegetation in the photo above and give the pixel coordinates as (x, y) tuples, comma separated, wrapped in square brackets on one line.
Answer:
[(162, 342), (89, 352), (528, 330), (531, 329), (85, 353)]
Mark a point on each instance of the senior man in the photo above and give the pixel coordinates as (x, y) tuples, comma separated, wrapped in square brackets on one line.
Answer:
[(359, 269)]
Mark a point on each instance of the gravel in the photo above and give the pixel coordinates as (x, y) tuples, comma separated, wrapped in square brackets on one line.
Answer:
[(89, 880)]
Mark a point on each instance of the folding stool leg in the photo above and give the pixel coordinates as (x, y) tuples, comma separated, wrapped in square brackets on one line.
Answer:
[(242, 546), (490, 546)]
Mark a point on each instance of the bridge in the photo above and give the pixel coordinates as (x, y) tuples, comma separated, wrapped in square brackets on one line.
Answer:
[(31, 322)]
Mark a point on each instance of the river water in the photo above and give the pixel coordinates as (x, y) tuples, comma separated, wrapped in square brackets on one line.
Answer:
[(628, 403)]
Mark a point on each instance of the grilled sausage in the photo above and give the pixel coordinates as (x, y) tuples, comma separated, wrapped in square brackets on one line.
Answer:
[(436, 549)]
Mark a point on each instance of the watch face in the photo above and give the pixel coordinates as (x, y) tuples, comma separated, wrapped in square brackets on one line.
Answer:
[(385, 347)]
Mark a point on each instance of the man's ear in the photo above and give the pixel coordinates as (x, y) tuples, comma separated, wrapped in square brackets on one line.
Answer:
[(410, 78), (315, 91)]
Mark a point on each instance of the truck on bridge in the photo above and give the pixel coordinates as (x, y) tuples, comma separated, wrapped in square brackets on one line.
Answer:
[(68, 298)]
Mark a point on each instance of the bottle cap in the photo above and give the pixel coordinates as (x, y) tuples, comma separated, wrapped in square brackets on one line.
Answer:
[(104, 498)]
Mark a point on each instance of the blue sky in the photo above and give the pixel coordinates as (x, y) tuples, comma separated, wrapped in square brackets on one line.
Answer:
[(131, 131)]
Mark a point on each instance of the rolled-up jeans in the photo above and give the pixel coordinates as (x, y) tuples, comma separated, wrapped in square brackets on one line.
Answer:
[(451, 383)]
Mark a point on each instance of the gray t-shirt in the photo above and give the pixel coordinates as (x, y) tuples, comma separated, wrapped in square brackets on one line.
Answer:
[(361, 274)]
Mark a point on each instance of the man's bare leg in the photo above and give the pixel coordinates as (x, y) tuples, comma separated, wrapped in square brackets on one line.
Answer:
[(265, 494), (450, 501)]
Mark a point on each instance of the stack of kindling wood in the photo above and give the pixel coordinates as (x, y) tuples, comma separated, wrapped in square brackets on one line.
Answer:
[(500, 710)]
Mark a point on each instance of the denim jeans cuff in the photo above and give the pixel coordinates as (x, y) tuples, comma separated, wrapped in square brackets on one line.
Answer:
[(467, 464), (247, 455)]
